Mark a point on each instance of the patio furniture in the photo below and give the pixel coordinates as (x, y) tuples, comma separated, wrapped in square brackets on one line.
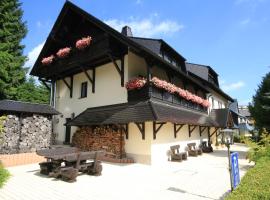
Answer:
[(193, 150), (176, 155), (74, 160), (206, 147)]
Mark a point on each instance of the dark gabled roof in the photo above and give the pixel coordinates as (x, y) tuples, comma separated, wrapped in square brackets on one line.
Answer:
[(233, 106), (224, 117), (244, 112), (150, 110), (212, 86), (25, 107), (220, 116), (198, 70), (153, 45), (139, 48)]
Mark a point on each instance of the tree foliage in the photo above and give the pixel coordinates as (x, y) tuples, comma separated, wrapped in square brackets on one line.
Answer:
[(12, 31), (13, 81), (260, 107)]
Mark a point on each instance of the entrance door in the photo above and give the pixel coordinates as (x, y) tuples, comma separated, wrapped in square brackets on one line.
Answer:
[(68, 129)]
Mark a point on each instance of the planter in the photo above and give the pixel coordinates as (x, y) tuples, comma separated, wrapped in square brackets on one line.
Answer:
[(157, 93), (177, 99)]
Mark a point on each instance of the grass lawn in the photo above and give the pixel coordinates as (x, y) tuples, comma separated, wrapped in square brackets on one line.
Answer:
[(4, 174), (255, 184)]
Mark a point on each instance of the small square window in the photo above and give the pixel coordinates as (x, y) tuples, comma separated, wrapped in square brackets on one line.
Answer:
[(84, 90)]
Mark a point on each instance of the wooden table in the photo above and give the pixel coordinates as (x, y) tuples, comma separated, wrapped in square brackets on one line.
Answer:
[(66, 162)]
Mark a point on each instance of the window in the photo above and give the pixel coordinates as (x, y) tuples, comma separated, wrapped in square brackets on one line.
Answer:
[(84, 90)]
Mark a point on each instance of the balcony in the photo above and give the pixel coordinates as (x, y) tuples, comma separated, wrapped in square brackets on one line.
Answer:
[(151, 92)]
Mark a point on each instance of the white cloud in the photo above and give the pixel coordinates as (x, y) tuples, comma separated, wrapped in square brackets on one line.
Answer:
[(232, 86), (32, 55), (147, 27), (245, 21), (138, 2)]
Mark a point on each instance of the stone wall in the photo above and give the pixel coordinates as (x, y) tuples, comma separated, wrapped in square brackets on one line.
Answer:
[(107, 138), (26, 134)]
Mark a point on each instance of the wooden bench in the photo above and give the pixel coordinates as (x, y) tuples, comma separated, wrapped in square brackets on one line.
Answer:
[(176, 155), (193, 150), (74, 161), (206, 148)]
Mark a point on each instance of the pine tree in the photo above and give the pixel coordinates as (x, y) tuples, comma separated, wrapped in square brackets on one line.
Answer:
[(12, 31), (260, 107)]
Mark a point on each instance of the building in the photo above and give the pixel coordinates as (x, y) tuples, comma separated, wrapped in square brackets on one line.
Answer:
[(88, 88), (246, 122), (27, 127)]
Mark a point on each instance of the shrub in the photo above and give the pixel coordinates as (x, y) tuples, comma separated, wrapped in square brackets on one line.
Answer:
[(4, 174), (255, 184)]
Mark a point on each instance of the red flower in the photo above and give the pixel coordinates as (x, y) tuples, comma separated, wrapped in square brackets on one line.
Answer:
[(47, 60), (62, 53), (135, 83), (83, 43)]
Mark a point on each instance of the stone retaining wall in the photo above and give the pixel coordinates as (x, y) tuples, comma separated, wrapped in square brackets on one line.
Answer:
[(25, 134)]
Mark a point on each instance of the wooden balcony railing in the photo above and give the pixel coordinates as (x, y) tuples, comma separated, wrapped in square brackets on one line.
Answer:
[(151, 92)]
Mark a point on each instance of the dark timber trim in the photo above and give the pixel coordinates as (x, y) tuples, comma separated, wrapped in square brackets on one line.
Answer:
[(141, 127), (91, 80), (124, 128), (202, 128), (149, 66), (120, 69), (70, 86), (191, 128), (156, 127), (45, 84), (177, 128), (214, 132)]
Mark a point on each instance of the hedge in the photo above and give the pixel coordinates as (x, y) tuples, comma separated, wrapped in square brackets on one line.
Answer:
[(4, 174), (255, 184)]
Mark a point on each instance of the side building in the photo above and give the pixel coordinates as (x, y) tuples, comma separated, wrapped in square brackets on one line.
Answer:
[(130, 96)]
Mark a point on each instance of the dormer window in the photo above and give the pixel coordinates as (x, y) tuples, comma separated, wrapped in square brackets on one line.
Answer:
[(84, 90)]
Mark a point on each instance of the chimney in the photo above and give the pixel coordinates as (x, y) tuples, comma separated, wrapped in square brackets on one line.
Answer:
[(126, 30)]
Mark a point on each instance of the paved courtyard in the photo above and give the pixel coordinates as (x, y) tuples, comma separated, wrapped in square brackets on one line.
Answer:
[(203, 177)]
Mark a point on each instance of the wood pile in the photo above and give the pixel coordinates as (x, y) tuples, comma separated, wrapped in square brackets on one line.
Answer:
[(28, 134), (107, 138)]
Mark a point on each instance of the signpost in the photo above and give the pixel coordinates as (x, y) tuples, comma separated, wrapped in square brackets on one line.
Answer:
[(234, 169)]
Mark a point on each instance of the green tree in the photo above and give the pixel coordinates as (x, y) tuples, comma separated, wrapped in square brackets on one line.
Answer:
[(12, 31), (260, 107), (32, 92)]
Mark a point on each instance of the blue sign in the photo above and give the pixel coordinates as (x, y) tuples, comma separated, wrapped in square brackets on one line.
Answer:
[(235, 169)]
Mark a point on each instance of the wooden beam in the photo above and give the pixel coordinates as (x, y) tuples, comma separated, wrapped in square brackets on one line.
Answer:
[(124, 128), (70, 86), (115, 64), (91, 80), (202, 128), (120, 69), (215, 131), (122, 74), (141, 127), (156, 127), (191, 128), (177, 128), (66, 83), (45, 84)]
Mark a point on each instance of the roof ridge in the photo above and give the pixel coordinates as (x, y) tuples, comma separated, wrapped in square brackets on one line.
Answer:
[(25, 102)]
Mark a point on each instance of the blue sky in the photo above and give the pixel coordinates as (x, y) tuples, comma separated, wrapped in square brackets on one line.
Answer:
[(232, 36)]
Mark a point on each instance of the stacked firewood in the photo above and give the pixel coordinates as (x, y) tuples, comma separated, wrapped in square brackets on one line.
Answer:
[(107, 138), (26, 134)]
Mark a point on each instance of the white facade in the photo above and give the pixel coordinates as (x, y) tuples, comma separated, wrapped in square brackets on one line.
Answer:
[(108, 91)]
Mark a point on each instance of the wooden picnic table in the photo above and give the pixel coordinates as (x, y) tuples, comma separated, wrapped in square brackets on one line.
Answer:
[(66, 162)]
